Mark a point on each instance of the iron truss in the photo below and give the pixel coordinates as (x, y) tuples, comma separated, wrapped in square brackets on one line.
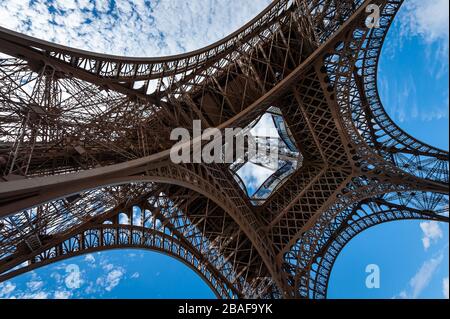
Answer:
[(84, 140)]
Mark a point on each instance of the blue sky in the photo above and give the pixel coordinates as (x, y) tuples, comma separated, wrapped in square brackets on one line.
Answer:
[(412, 256)]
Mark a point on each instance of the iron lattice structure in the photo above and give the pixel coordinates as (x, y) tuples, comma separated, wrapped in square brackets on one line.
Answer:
[(84, 140)]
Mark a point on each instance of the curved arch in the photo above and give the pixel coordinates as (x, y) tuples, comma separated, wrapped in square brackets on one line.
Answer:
[(365, 216), (353, 68), (117, 68), (349, 194), (300, 256), (370, 70), (110, 237), (196, 178), (208, 181), (236, 211), (393, 143)]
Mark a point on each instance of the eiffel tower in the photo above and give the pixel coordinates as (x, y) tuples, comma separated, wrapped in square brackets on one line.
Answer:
[(85, 151)]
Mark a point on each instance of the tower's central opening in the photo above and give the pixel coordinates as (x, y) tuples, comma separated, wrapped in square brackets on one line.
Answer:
[(258, 175)]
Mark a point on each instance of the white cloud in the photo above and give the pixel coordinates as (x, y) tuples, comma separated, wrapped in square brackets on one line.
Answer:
[(137, 28), (91, 288), (135, 275), (108, 267), (431, 233), (422, 278), (137, 216), (253, 176), (35, 295), (89, 258), (35, 282), (424, 21), (445, 288), (403, 295), (265, 127), (58, 278), (113, 279), (402, 96), (427, 18), (123, 219), (6, 289), (34, 285), (62, 294)]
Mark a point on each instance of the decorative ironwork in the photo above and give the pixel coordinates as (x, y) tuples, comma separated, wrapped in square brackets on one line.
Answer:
[(84, 139)]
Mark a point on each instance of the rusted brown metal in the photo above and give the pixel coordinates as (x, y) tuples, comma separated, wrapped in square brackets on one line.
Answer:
[(84, 139)]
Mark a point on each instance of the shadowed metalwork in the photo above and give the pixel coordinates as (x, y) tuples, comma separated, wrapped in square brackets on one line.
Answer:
[(85, 165)]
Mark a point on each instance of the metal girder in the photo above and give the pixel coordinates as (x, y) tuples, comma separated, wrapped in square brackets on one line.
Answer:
[(313, 281), (84, 138)]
